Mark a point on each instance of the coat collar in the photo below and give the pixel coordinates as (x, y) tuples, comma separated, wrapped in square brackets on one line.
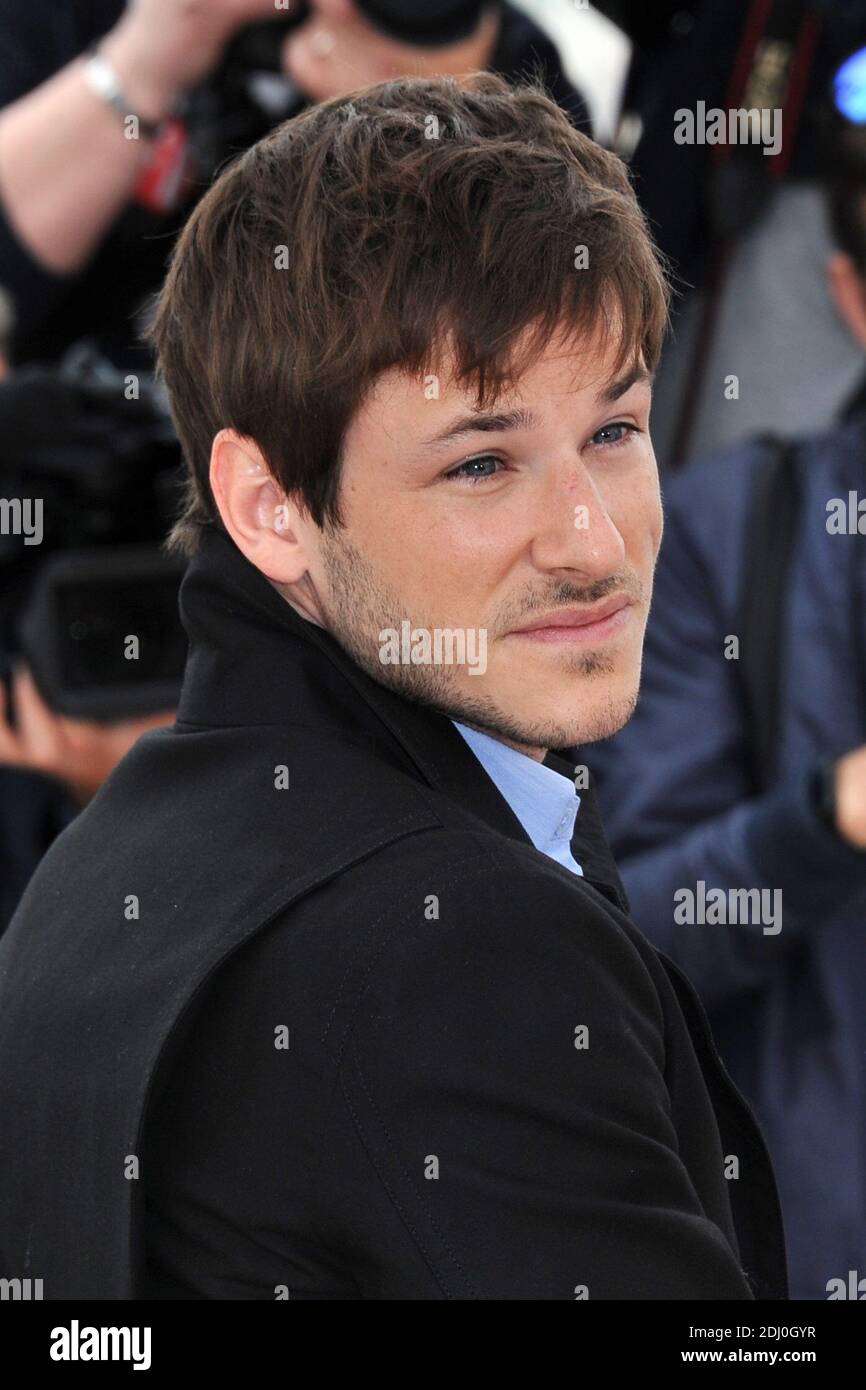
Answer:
[(253, 660)]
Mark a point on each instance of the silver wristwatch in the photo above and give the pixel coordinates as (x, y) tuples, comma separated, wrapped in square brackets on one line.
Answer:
[(103, 81)]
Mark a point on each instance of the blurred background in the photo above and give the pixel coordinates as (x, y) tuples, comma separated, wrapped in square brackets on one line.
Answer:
[(744, 767)]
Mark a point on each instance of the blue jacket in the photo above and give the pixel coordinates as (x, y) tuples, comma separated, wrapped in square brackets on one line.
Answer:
[(788, 1010)]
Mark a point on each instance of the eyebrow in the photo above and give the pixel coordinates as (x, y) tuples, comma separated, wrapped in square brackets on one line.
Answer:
[(524, 419), (614, 389)]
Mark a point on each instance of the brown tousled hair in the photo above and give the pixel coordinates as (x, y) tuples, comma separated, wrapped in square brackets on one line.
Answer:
[(400, 234)]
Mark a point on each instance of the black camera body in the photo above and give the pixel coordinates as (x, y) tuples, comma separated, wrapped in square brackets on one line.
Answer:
[(89, 475)]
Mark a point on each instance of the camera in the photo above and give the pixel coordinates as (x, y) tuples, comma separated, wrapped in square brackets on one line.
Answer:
[(89, 475)]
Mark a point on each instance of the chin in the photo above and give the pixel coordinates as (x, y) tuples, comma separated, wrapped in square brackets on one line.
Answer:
[(587, 725), (585, 709), (597, 724), (564, 723)]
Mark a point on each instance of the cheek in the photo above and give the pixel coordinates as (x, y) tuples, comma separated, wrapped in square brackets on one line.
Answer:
[(642, 515), (657, 522), (423, 557), (448, 559)]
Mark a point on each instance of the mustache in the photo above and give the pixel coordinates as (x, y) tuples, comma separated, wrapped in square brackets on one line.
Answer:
[(567, 594)]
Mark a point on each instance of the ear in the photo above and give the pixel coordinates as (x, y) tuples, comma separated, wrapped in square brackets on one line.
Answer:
[(266, 525), (848, 289)]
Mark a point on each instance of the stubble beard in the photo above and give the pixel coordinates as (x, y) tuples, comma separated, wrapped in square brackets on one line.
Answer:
[(360, 607)]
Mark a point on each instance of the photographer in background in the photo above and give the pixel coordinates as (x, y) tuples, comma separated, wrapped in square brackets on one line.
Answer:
[(744, 768), (97, 470), (50, 766), (745, 228), (88, 214)]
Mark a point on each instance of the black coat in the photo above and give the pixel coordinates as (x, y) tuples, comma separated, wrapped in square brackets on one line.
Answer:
[(334, 1055)]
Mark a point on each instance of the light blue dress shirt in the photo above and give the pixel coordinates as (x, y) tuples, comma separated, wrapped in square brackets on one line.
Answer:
[(545, 802)]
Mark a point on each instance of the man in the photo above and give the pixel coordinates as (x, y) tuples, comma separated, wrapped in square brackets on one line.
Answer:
[(326, 994), (709, 785)]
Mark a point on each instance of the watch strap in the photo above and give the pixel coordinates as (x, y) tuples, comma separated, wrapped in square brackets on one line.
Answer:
[(103, 81)]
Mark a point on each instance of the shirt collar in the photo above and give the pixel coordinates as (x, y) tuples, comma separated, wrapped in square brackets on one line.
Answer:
[(543, 799)]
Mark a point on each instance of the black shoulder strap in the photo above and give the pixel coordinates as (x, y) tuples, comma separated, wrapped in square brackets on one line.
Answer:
[(770, 534)]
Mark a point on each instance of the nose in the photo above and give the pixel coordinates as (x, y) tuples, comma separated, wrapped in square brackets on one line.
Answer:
[(574, 529)]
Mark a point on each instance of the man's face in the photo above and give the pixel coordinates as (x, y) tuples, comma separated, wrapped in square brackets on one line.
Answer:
[(493, 535)]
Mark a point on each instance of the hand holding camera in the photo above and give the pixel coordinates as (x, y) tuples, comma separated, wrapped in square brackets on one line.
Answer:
[(160, 48)]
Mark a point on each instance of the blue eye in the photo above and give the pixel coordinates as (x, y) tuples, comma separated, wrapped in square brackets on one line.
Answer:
[(474, 463), (623, 439), (468, 470)]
